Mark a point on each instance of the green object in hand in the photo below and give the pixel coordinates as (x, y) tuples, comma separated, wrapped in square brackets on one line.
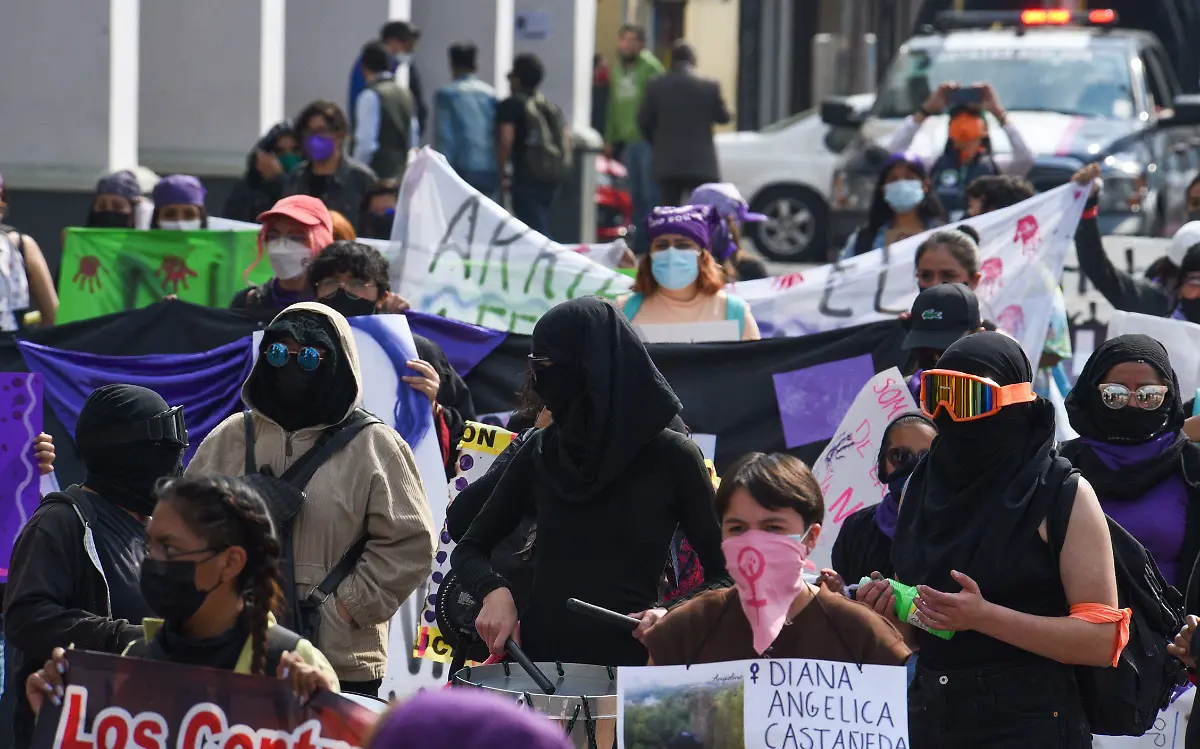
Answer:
[(906, 607)]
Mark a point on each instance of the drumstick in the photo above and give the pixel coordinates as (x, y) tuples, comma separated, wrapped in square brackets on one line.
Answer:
[(604, 615), (534, 672)]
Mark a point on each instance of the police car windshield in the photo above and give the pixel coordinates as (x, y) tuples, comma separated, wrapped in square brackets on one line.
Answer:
[(1091, 81)]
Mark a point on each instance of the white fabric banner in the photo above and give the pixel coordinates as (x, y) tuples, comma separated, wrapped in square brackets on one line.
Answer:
[(847, 467)]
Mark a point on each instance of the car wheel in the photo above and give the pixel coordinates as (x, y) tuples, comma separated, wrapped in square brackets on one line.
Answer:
[(796, 225)]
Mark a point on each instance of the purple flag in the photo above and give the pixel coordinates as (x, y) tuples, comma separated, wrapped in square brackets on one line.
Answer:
[(207, 384), (465, 345), (813, 400), (20, 424)]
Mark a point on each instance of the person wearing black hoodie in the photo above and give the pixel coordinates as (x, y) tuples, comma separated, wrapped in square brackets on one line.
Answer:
[(275, 154), (76, 564)]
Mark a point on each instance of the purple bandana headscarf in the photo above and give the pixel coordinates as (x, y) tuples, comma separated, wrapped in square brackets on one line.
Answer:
[(123, 184), (729, 204), (179, 189), (696, 222), (466, 719)]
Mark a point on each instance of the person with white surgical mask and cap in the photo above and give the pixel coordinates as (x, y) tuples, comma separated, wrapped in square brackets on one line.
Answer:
[(292, 234), (179, 204)]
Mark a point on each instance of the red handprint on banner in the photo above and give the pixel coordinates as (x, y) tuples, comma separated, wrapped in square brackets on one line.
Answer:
[(88, 275), (1028, 235), (174, 271), (991, 275)]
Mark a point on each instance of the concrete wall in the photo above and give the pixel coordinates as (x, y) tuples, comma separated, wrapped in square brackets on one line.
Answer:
[(323, 41), (711, 26), (486, 23), (566, 50)]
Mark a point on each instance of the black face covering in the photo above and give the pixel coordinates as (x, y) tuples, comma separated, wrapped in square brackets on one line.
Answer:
[(169, 588), (110, 220), (607, 397), (1190, 308), (1193, 216), (377, 226), (124, 473), (349, 306), (981, 485), (292, 397), (1130, 425)]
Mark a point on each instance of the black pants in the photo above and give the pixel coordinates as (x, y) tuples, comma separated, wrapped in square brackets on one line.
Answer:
[(1029, 706), (365, 688), (677, 191)]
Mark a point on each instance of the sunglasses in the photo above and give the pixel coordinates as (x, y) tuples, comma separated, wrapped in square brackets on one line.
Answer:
[(278, 354), (536, 363), (1149, 397), (967, 397), (900, 456)]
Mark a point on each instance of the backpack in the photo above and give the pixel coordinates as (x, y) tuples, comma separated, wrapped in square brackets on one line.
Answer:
[(1126, 700), (285, 496), (546, 157)]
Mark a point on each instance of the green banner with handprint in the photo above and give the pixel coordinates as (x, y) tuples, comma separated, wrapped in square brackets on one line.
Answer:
[(111, 270)]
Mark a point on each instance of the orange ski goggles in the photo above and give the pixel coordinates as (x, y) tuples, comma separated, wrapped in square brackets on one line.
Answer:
[(968, 397)]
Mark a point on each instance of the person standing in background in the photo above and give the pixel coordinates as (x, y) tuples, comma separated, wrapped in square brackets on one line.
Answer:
[(622, 136), (383, 115), (328, 174), (530, 133), (464, 117), (677, 116), (275, 154), (400, 38)]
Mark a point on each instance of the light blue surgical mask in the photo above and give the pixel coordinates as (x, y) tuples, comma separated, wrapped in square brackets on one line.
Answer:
[(675, 269), (800, 539), (905, 195)]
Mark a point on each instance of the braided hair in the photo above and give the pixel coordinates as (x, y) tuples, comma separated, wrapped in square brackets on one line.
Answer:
[(226, 512)]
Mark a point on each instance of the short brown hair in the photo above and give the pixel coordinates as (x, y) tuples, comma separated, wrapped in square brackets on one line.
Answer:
[(777, 481), (342, 228), (710, 280), (327, 109)]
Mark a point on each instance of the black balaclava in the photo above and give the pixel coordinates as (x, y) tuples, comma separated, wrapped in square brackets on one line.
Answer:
[(125, 473), (1191, 264), (607, 397), (1125, 426), (288, 395), (347, 305)]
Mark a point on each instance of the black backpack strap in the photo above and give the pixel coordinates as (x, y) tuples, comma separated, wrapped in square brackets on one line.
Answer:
[(248, 421), (280, 640), (331, 440), (340, 571)]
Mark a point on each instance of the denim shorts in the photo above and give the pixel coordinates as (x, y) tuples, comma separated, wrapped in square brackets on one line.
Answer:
[(1033, 705)]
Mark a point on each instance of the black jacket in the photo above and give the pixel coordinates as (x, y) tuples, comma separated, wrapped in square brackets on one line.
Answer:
[(678, 112), (56, 595), (1123, 291), (343, 191)]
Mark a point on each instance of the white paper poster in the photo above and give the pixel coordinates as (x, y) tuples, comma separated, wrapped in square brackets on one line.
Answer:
[(1167, 732), (847, 467), (660, 706)]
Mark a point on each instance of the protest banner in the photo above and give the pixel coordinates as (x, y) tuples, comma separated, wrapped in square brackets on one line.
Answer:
[(463, 256), (478, 449), (113, 702), (112, 270), (792, 702), (20, 424), (661, 706), (848, 465), (1180, 337)]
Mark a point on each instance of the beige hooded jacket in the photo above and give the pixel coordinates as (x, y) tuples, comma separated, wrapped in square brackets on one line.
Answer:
[(372, 483)]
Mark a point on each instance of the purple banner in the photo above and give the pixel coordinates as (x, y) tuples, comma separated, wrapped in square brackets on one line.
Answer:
[(20, 424), (465, 345), (813, 400)]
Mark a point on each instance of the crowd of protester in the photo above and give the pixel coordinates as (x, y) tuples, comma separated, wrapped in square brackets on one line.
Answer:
[(1005, 535)]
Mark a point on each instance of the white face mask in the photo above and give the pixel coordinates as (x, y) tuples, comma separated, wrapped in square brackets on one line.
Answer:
[(189, 225), (403, 58), (289, 258)]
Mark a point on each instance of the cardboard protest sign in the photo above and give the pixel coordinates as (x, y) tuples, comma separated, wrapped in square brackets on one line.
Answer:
[(794, 702), (466, 258), (659, 706), (479, 447), (847, 467), (117, 702), (111, 270), (20, 480)]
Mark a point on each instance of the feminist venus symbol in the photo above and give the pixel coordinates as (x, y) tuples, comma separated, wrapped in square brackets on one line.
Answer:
[(753, 564)]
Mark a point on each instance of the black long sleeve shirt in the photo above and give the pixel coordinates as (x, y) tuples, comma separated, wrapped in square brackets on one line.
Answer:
[(1122, 290)]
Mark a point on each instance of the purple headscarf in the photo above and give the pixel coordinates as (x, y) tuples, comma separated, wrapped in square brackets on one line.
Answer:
[(179, 189), (123, 184), (465, 718), (696, 222), (729, 204)]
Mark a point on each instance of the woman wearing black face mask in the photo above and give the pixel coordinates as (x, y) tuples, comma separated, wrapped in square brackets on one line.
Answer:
[(379, 210), (1128, 410), (212, 573), (864, 545), (76, 564)]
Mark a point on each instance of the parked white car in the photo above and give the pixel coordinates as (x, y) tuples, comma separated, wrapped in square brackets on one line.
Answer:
[(785, 171)]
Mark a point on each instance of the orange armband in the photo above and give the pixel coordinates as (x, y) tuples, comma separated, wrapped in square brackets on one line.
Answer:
[(1098, 613)]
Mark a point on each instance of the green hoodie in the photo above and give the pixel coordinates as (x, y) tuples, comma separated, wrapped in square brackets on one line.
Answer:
[(625, 98)]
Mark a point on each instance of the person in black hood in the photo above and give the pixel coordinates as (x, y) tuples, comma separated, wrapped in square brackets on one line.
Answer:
[(1128, 411), (972, 536), (275, 154), (76, 564), (609, 482)]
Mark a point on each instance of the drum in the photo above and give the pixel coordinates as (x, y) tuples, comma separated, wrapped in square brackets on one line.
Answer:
[(374, 704), (584, 702)]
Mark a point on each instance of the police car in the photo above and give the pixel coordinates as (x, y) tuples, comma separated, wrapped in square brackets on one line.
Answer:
[(1077, 88)]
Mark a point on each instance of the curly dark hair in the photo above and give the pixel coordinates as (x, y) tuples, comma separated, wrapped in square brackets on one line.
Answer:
[(226, 512), (347, 256), (327, 109)]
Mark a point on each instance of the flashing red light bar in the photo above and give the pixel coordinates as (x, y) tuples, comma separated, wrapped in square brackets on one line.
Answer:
[(1032, 17), (1060, 17)]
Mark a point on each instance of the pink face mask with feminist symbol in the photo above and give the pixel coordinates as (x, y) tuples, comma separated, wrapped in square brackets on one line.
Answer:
[(767, 569)]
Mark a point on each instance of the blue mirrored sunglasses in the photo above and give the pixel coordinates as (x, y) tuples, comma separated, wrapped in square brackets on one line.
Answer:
[(278, 354)]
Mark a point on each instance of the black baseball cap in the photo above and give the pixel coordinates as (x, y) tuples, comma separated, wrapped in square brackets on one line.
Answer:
[(941, 315)]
